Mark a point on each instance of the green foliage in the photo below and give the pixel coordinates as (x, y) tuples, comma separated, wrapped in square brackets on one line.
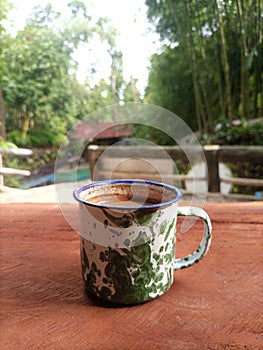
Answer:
[(5, 7), (9, 162), (42, 97), (220, 44), (170, 86), (6, 144), (240, 132), (11, 180), (130, 92), (37, 88), (246, 170), (152, 134), (52, 134), (35, 163)]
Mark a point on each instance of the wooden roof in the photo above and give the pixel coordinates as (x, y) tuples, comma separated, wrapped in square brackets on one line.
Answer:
[(103, 130)]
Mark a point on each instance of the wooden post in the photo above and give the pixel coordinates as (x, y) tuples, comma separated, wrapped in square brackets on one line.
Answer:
[(93, 152), (211, 154)]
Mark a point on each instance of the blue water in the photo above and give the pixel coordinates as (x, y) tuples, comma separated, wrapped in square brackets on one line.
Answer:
[(82, 174), (38, 182)]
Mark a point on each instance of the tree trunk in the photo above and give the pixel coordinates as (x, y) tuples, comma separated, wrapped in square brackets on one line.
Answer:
[(201, 117), (186, 42), (135, 93), (2, 116), (113, 85), (220, 82), (225, 61), (258, 30), (244, 63), (25, 127), (203, 85)]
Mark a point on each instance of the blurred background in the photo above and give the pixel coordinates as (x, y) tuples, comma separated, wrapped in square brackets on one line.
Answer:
[(62, 61)]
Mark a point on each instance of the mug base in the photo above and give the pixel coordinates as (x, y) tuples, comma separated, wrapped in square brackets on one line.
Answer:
[(115, 301)]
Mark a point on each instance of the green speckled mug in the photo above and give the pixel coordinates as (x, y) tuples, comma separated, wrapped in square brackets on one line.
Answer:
[(128, 238)]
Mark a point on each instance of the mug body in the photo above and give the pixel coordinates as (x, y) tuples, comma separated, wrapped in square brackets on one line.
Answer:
[(127, 251)]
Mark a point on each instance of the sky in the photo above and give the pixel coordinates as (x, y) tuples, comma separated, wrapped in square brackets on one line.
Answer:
[(136, 41)]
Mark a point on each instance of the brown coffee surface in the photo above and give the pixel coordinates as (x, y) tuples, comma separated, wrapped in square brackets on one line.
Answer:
[(123, 200)]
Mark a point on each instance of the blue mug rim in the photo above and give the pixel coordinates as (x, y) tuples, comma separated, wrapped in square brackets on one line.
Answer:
[(178, 194)]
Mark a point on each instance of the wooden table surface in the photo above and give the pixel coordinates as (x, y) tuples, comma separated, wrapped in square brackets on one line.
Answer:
[(216, 304)]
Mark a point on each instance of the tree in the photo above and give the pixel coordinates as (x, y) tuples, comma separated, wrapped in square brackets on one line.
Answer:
[(42, 96), (2, 117), (35, 85), (169, 84), (221, 42), (5, 7), (131, 92), (225, 62)]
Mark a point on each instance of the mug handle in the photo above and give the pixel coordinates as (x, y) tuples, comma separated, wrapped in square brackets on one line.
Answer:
[(198, 254)]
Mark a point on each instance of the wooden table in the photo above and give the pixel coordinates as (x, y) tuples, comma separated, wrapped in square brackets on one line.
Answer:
[(216, 304)]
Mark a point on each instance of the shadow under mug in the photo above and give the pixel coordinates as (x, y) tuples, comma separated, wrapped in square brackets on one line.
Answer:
[(128, 237)]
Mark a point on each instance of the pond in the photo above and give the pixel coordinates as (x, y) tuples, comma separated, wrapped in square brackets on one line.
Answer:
[(67, 176)]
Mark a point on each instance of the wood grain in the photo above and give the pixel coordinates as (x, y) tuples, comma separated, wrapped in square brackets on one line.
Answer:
[(216, 304)]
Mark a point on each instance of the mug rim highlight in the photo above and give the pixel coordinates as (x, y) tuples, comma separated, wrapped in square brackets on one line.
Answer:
[(177, 192)]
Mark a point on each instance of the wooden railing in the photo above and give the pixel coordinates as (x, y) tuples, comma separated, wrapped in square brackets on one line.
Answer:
[(214, 154), (18, 152), (233, 155)]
